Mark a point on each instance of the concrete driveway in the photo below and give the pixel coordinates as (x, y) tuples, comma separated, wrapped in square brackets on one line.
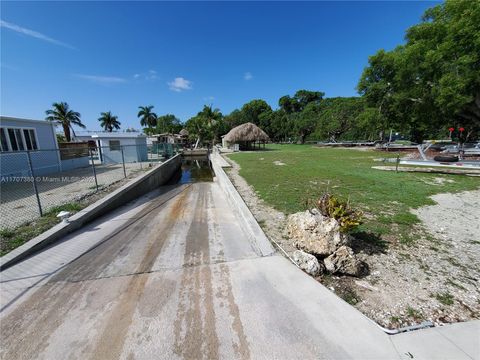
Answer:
[(170, 276)]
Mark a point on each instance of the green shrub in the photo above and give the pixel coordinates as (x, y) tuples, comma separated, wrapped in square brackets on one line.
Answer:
[(333, 207)]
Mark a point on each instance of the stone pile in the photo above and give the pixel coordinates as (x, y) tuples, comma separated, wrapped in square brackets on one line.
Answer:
[(321, 245)]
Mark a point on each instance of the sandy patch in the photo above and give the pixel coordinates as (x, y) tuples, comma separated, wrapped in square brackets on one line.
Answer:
[(455, 219), (437, 181)]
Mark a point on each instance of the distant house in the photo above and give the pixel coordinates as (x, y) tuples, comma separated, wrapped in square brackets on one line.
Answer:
[(168, 138), (111, 145), (23, 137)]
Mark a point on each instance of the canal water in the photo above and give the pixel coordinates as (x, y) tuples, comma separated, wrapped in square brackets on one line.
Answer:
[(194, 169)]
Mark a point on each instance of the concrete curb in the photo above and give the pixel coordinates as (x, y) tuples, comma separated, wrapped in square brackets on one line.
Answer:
[(128, 192), (257, 237)]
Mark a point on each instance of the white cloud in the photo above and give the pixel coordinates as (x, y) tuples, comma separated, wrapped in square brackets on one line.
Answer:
[(101, 79), (149, 75), (248, 76), (34, 34), (179, 84)]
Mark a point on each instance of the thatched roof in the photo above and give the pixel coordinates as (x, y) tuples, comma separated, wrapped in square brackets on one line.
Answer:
[(184, 132), (246, 132)]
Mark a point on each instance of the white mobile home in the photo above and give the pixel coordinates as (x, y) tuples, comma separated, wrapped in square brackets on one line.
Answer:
[(23, 137), (112, 144)]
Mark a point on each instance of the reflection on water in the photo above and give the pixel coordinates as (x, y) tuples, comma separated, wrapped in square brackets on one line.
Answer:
[(195, 170)]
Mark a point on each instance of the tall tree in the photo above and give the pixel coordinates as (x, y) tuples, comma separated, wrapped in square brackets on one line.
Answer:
[(293, 107), (340, 118), (433, 81), (147, 117), (62, 115), (108, 121), (253, 110), (299, 101), (206, 125), (168, 123)]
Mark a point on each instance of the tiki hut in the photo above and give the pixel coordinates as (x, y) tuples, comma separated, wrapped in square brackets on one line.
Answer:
[(246, 136), (184, 132)]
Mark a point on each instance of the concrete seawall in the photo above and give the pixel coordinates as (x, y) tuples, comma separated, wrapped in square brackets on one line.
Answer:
[(256, 236), (139, 186)]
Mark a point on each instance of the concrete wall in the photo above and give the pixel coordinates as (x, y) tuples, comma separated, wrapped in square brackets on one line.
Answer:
[(130, 191), (256, 236)]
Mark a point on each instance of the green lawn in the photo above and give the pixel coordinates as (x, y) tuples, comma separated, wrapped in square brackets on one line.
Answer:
[(384, 196)]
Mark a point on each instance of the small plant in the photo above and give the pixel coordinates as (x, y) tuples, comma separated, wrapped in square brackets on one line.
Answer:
[(331, 206), (395, 320), (350, 296), (445, 298), (413, 313)]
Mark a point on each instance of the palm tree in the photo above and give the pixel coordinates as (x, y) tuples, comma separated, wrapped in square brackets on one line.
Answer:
[(213, 118), (147, 117), (62, 115), (205, 124), (108, 121)]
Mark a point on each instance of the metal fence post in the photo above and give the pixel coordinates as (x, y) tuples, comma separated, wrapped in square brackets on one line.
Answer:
[(123, 162), (93, 167), (34, 184)]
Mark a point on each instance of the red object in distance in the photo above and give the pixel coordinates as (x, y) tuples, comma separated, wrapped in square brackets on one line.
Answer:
[(451, 129), (461, 129)]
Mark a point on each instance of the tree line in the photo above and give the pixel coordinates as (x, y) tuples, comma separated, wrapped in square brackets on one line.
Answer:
[(421, 89)]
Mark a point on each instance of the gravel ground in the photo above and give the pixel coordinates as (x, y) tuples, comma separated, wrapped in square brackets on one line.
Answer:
[(436, 278)]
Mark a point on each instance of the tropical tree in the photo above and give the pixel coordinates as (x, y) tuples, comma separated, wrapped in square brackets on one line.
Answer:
[(62, 115), (108, 121), (213, 119), (168, 123), (432, 82), (339, 118), (299, 101), (208, 124), (147, 117)]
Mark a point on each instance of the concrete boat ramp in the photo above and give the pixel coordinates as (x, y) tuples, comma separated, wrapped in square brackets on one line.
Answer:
[(175, 274)]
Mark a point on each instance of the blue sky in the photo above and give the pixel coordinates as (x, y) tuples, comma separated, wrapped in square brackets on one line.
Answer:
[(101, 56)]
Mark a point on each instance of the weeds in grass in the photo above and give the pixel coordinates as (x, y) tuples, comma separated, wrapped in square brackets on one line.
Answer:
[(445, 298), (424, 267), (262, 223), (454, 284), (395, 320), (414, 313), (13, 238), (350, 296)]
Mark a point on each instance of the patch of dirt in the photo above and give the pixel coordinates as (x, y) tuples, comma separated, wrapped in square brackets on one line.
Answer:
[(437, 278)]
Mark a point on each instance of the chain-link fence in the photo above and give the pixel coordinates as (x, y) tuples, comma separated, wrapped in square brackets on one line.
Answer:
[(35, 182)]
